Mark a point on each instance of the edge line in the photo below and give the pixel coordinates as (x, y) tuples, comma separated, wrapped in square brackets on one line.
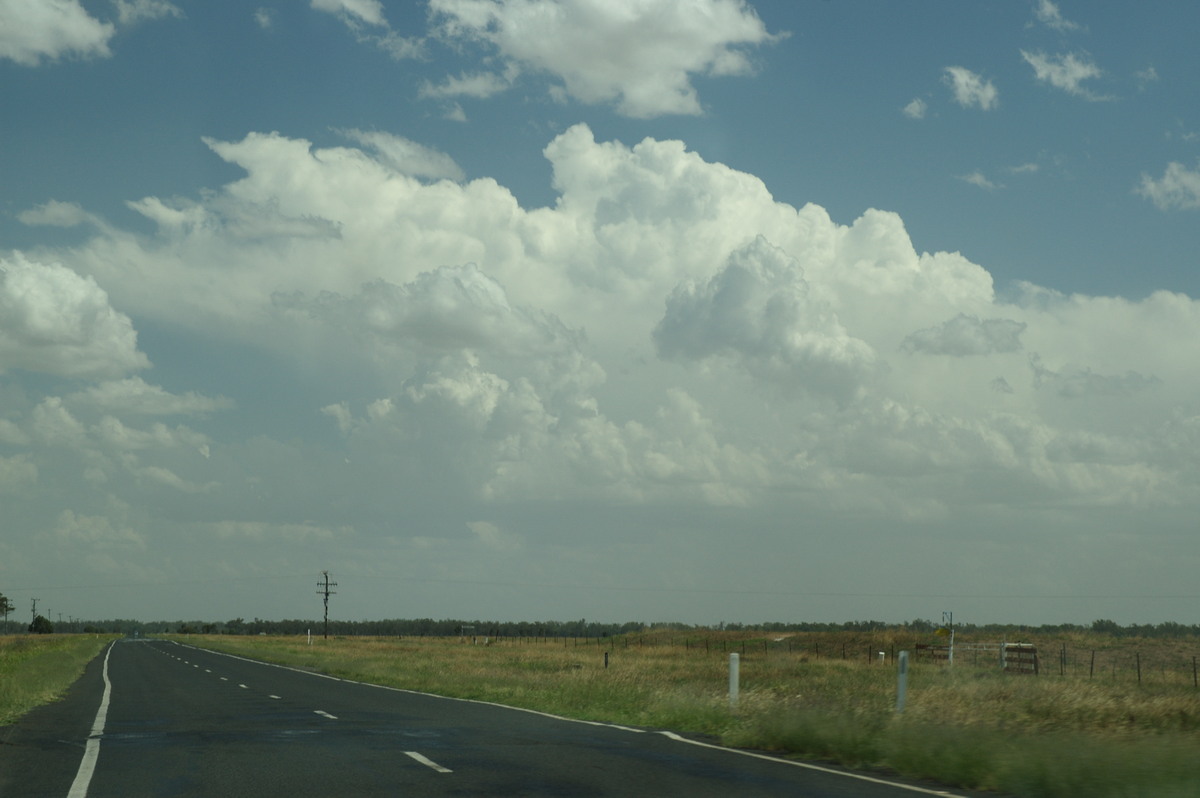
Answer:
[(91, 753)]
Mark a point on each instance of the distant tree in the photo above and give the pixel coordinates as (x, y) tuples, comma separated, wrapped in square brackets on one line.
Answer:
[(41, 626), (1105, 627), (6, 607)]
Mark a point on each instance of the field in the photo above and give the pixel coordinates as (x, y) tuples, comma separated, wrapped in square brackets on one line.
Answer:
[(1104, 716), (36, 669)]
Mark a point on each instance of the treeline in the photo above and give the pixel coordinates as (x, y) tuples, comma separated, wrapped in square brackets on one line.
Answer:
[(589, 629)]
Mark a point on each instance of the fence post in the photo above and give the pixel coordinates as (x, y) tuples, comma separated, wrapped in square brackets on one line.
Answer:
[(733, 680), (901, 682)]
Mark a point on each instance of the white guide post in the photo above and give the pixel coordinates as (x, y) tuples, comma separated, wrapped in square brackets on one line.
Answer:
[(733, 680)]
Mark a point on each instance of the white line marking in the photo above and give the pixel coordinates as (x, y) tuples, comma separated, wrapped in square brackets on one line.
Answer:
[(273, 696), (224, 678), (244, 687), (427, 762), (206, 670), (324, 714), (91, 751)]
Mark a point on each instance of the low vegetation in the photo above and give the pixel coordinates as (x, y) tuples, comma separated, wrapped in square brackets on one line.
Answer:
[(1105, 717), (35, 670)]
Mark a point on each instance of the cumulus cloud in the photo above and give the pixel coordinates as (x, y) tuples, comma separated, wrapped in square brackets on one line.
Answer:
[(970, 89), (1066, 71), (640, 56), (33, 30), (1177, 189), (966, 335), (54, 321), (616, 344), (759, 309)]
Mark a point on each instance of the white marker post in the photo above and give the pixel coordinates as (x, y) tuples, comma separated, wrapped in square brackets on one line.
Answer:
[(901, 682), (733, 680)]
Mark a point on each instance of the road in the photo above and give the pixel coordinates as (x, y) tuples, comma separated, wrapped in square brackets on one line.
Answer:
[(155, 718)]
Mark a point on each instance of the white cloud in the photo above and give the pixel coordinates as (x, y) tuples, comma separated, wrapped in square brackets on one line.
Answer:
[(1145, 77), (639, 55), (366, 20), (130, 12), (1065, 71), (17, 474), (1048, 14), (760, 310), (265, 18), (916, 109), (134, 396), (57, 214), (1177, 189), (666, 331), (479, 85), (54, 321), (978, 178), (970, 89), (405, 156), (354, 12), (33, 30)]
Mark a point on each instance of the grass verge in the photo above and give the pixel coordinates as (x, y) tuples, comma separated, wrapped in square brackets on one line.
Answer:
[(36, 670)]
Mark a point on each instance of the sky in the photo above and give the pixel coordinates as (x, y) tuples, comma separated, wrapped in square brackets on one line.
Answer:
[(624, 310)]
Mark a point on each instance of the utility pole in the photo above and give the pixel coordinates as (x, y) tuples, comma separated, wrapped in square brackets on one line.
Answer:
[(325, 584), (33, 619)]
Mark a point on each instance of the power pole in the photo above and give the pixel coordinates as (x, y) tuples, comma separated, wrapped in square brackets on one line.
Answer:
[(33, 620), (325, 584)]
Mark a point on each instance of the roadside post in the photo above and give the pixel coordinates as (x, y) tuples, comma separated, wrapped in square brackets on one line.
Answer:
[(901, 682), (734, 667)]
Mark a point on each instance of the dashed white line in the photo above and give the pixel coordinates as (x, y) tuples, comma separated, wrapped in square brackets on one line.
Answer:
[(244, 687), (224, 678), (273, 696), (324, 714), (427, 762)]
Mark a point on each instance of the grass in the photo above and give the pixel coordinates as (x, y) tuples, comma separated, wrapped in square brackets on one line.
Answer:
[(1073, 732), (36, 670)]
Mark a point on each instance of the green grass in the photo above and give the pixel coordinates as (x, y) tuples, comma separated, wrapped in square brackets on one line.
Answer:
[(36, 670), (1049, 736)]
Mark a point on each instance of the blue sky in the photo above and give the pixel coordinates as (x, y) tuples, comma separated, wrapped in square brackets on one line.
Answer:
[(689, 311)]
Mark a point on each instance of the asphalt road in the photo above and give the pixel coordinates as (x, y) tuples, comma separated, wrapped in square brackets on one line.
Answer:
[(181, 721)]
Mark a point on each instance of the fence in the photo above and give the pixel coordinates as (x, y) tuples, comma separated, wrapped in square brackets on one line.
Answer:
[(1150, 662)]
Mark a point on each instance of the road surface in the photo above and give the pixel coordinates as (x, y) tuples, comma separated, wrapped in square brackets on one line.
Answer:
[(155, 718)]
